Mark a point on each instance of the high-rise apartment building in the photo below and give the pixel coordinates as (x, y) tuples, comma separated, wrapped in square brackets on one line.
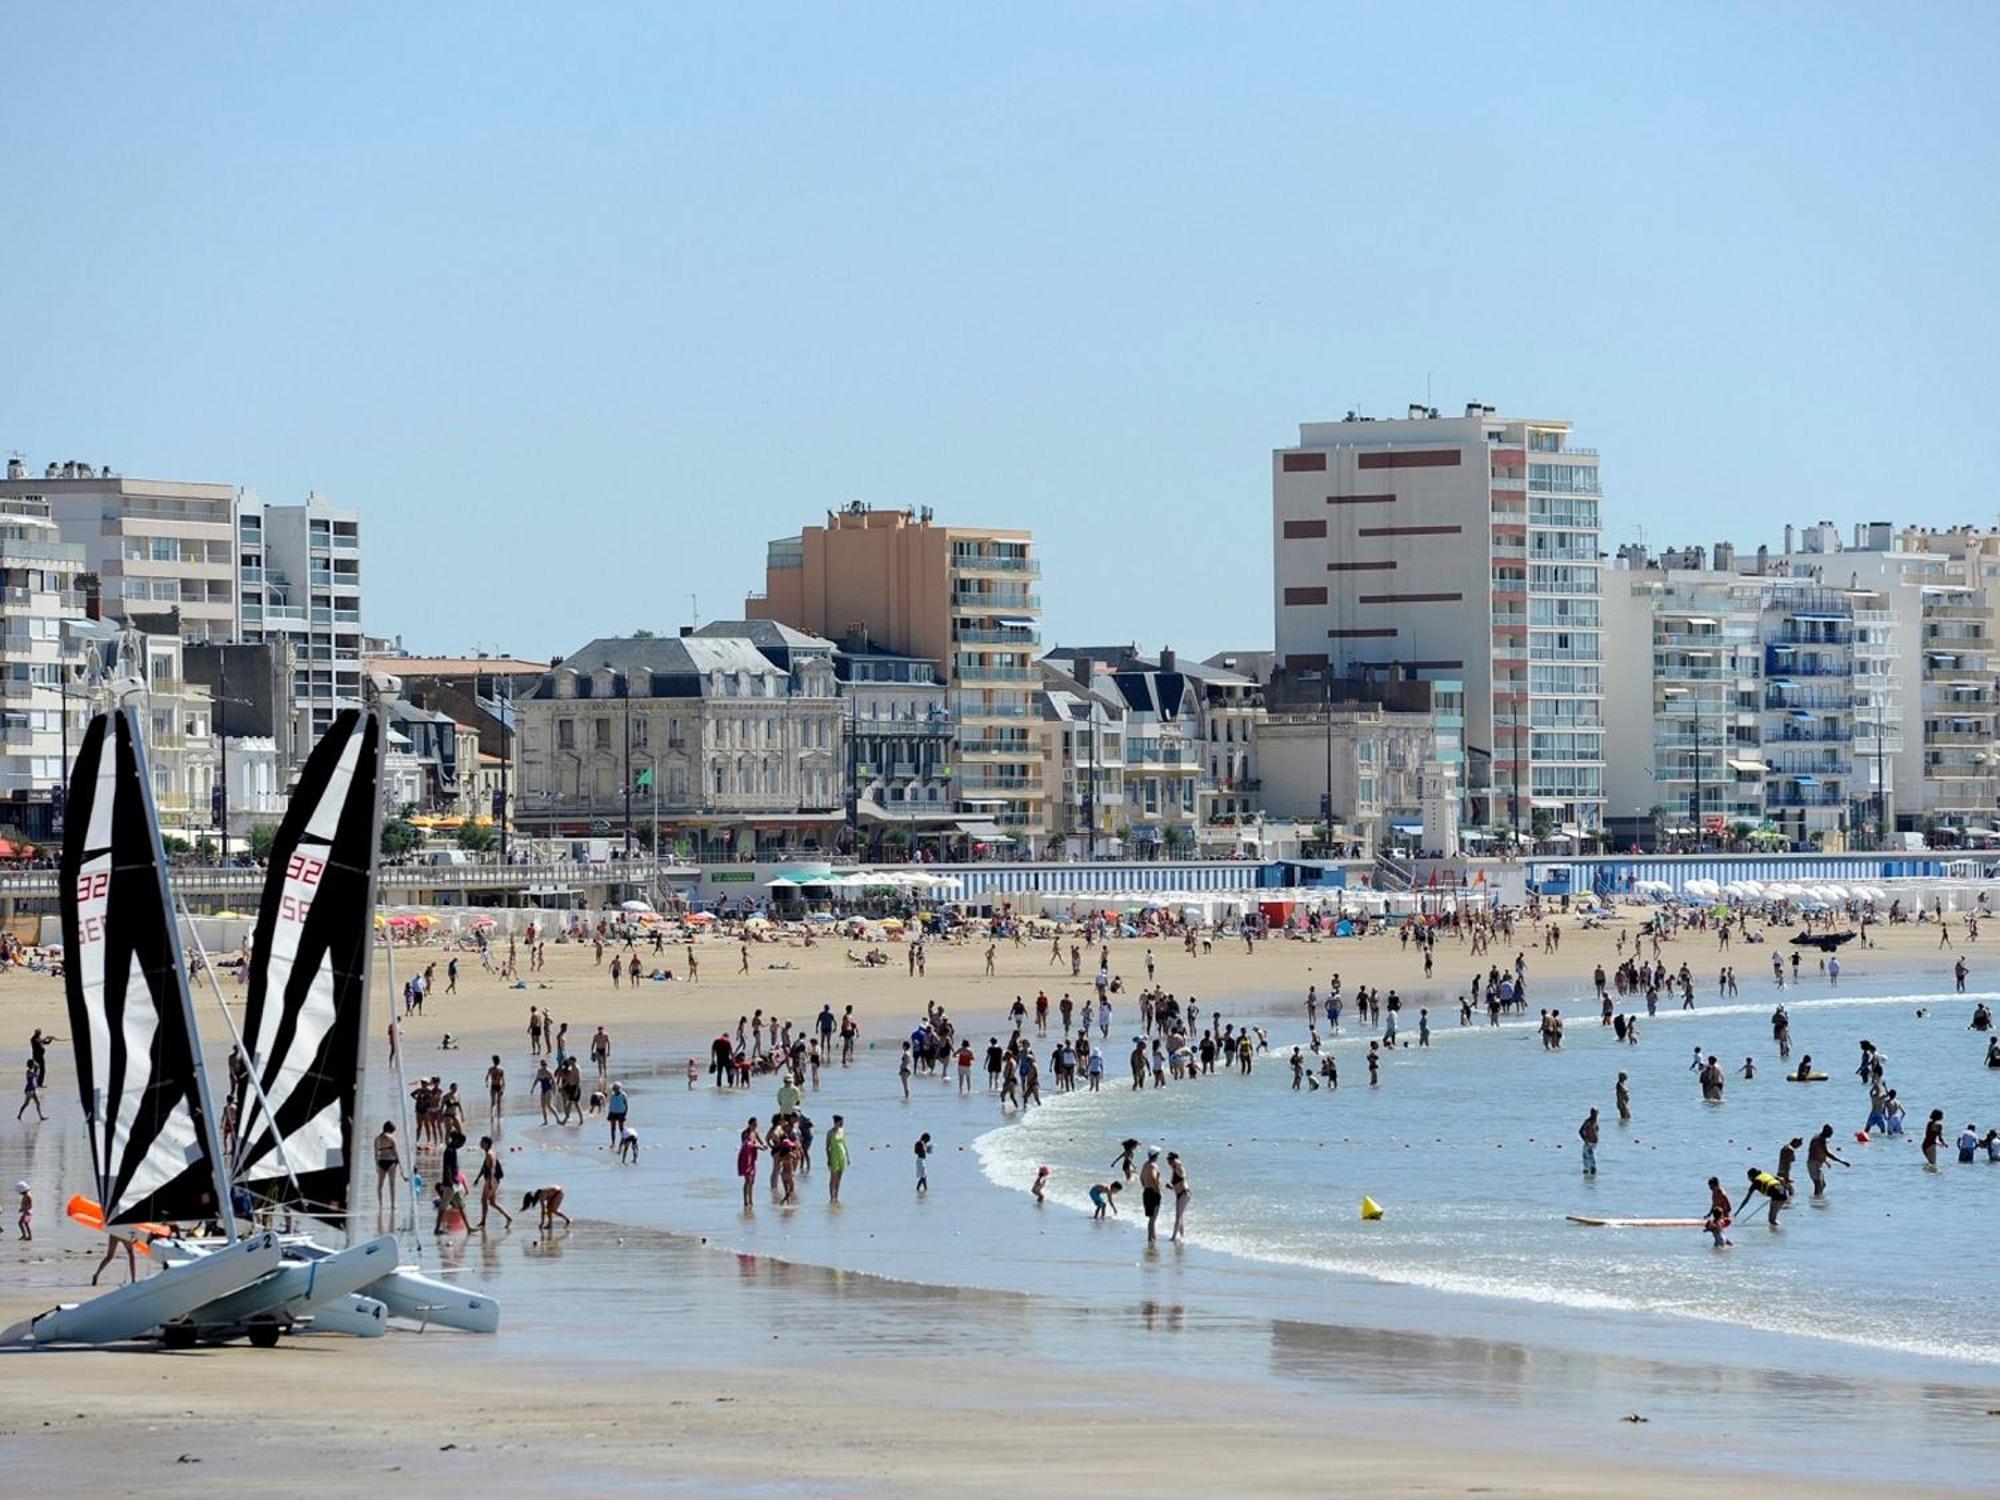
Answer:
[(38, 590), (1737, 706), (963, 596), (1945, 588), (156, 545), (1466, 549), (299, 581)]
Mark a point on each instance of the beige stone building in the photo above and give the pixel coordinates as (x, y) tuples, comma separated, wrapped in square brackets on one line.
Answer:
[(732, 737)]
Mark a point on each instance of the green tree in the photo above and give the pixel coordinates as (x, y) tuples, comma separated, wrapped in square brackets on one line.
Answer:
[(478, 838), (400, 837), (172, 845), (261, 837)]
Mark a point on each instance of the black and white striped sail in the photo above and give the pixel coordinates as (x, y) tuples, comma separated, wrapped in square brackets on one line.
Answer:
[(306, 1021), (130, 1015)]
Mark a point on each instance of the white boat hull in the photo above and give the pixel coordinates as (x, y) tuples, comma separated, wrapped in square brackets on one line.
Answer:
[(411, 1295), (135, 1310), (408, 1293), (295, 1289), (357, 1316)]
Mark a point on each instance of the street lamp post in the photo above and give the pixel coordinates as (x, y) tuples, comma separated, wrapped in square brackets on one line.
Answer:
[(503, 699), (1326, 713), (1090, 777), (625, 692), (222, 744)]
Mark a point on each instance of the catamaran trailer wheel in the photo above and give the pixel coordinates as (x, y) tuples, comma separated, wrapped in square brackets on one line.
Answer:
[(178, 1336), (264, 1335)]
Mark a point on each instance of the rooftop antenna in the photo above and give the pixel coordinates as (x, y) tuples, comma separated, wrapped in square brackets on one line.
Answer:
[(694, 610)]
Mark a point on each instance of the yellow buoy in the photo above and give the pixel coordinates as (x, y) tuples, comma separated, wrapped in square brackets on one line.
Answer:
[(1370, 1209)]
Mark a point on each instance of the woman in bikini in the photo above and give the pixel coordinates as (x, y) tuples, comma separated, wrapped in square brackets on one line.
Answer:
[(550, 1199)]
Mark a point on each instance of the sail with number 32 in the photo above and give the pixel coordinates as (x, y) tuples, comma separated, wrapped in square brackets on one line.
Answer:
[(151, 1139), (306, 1023)]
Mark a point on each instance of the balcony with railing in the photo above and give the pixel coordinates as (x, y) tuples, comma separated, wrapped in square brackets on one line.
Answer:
[(1819, 732), (1803, 796), (990, 602), (1795, 763), (970, 712), (1781, 662), (986, 746), (1780, 694), (978, 671), (977, 562), (1960, 796), (975, 637), (1952, 697)]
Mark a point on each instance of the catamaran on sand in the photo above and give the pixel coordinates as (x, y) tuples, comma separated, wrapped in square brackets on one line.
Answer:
[(160, 1164)]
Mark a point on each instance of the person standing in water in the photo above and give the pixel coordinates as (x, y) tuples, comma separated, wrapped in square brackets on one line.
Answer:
[(1771, 1187), (1622, 1094), (748, 1145), (836, 1158), (1718, 1213), (490, 1175), (1149, 1193), (923, 1150), (388, 1167), (1818, 1154), (1177, 1181), (1933, 1139)]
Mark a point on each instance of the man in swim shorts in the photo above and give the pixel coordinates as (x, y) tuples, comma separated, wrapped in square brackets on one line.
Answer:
[(1149, 1192)]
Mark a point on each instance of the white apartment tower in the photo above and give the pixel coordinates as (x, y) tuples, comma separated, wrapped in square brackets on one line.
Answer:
[(299, 579), (156, 545), (38, 589), (1461, 548)]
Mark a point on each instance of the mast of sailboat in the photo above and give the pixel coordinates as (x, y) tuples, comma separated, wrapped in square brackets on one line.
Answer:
[(356, 1177), (212, 1138), (252, 1066), (409, 1157)]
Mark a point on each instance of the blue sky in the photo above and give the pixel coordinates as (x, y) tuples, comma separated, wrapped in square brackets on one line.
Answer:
[(583, 304)]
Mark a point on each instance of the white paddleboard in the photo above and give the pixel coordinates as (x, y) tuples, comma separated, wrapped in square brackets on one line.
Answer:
[(1596, 1223), (139, 1308)]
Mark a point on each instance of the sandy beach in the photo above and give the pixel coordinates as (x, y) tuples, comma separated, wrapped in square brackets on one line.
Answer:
[(632, 1358)]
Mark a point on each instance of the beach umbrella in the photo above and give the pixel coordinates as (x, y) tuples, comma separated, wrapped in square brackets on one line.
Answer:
[(635, 905), (699, 918)]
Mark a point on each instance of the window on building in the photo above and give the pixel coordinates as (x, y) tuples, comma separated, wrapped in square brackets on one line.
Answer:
[(600, 735)]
